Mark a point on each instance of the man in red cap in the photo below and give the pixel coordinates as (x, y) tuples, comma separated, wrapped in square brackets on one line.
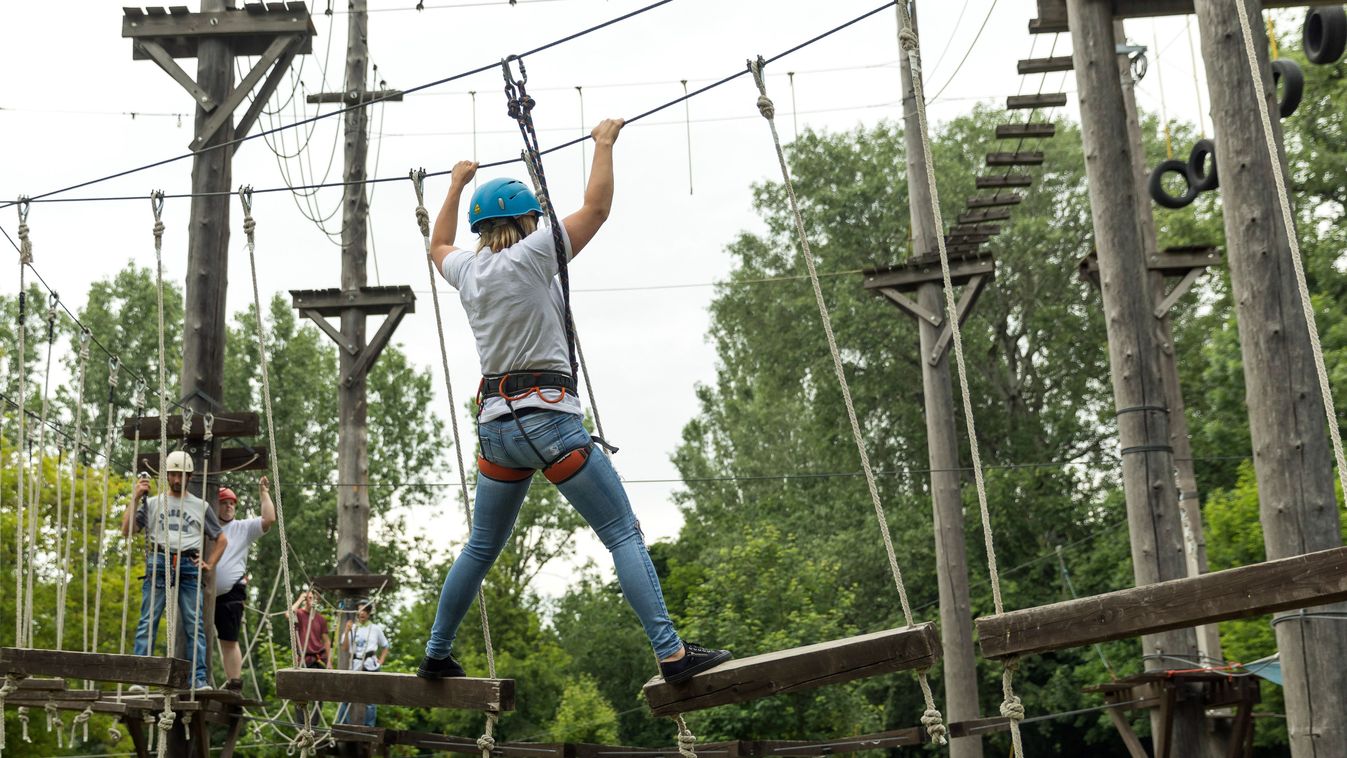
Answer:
[(231, 580)]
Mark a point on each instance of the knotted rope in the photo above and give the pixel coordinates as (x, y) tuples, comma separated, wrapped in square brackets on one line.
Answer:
[(25, 244), (113, 367), (167, 718), (158, 536), (54, 723), (207, 445), (21, 328), (35, 503), (23, 723), (931, 717), (687, 741), (150, 731), (61, 586), (138, 400), (1011, 707), (10, 686), (81, 721)]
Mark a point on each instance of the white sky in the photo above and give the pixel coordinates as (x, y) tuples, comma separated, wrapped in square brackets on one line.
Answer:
[(641, 289)]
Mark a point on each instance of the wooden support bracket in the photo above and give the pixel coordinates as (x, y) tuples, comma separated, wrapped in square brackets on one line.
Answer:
[(221, 116), (248, 33), (1300, 581), (391, 302), (249, 117), (910, 307), (909, 276), (156, 52), (227, 424), (379, 688), (798, 669), (100, 667), (971, 291)]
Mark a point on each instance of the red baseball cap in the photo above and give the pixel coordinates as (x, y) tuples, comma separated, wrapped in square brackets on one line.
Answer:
[(227, 494)]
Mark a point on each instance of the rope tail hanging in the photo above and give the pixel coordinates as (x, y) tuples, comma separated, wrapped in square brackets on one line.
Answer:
[(1011, 707), (931, 718), (114, 367), (35, 505), (305, 739), (138, 399), (25, 258), (62, 588), (160, 529), (418, 177)]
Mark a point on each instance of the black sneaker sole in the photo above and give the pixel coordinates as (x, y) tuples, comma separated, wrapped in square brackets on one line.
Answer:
[(705, 665), (425, 674)]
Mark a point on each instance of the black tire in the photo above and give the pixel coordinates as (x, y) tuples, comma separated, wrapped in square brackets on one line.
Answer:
[(1290, 80), (1202, 180), (1157, 187), (1325, 34)]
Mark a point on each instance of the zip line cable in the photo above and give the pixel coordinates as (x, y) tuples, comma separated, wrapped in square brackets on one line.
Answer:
[(48, 197)]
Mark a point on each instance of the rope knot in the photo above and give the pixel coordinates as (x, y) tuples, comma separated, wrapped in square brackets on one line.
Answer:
[(249, 226), (158, 232), (1012, 708), (935, 726), (687, 741), (907, 39), (423, 220), (766, 107), (114, 735), (25, 245), (486, 743), (10, 686), (23, 722), (81, 720)]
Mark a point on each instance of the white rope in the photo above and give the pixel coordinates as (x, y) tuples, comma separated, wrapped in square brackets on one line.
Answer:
[(25, 258), (10, 686), (1288, 222), (81, 721), (935, 728), (54, 723), (23, 723), (62, 586), (1010, 707), (167, 718), (35, 503), (687, 741), (208, 441), (113, 367), (157, 535), (138, 399)]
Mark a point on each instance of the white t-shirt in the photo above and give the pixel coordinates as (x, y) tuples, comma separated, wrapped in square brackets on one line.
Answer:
[(367, 640), (514, 303), (242, 533), (181, 525)]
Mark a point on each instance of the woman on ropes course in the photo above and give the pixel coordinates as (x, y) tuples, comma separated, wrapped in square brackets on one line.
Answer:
[(529, 415)]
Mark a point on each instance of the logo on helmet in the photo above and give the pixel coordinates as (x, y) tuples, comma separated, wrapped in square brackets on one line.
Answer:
[(477, 208)]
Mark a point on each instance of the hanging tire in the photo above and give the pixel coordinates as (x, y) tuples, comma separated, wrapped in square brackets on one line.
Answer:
[(1325, 34), (1203, 180), (1290, 81), (1157, 185)]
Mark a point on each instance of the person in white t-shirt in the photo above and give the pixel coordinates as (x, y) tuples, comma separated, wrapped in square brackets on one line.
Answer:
[(231, 575), (530, 417), (364, 638)]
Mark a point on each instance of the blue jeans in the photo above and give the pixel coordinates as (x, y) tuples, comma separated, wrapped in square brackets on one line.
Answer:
[(596, 492), (345, 715), (189, 589)]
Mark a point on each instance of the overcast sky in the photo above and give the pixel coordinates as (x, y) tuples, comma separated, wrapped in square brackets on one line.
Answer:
[(642, 288)]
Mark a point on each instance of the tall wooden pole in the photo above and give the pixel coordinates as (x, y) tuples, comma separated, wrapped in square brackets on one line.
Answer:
[(1190, 512), (1291, 455), (1138, 389), (956, 618)]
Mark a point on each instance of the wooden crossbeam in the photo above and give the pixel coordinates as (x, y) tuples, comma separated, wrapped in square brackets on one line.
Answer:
[(731, 749), (372, 301), (1297, 582), (797, 669), (1029, 130), (356, 98), (1043, 100), (227, 424), (1008, 180), (909, 737), (978, 217), (231, 459), (996, 200), (1044, 65), (41, 683), (355, 582), (926, 269), (445, 743), (1028, 158), (379, 688), (179, 34), (99, 667)]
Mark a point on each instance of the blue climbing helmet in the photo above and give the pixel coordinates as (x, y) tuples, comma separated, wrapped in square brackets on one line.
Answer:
[(501, 198)]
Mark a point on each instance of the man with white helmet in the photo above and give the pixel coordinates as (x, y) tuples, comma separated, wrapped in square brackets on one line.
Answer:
[(231, 576), (176, 524)]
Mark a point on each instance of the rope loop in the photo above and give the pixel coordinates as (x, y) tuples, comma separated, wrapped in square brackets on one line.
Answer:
[(208, 421), (188, 415), (157, 207), (418, 177), (25, 245), (23, 723), (934, 722), (114, 734), (907, 39), (687, 741), (249, 226), (81, 720)]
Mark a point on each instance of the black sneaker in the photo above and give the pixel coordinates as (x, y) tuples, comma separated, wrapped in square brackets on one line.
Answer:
[(234, 685), (439, 668), (695, 660)]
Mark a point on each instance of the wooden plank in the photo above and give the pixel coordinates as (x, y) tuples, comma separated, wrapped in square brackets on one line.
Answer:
[(1181, 263), (372, 301), (178, 10), (99, 667), (468, 745), (227, 424), (380, 688), (1297, 582), (1044, 65), (967, 230), (1028, 130), (356, 733), (732, 749), (798, 669), (1007, 180), (43, 683), (996, 200), (221, 23), (919, 271), (133, 12), (1041, 100), (156, 12), (1048, 25), (352, 98), (909, 737), (978, 217), (231, 459), (1151, 8), (1029, 158), (355, 582)]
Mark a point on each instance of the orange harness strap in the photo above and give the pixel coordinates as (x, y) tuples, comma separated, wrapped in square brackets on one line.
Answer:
[(567, 465), (502, 473)]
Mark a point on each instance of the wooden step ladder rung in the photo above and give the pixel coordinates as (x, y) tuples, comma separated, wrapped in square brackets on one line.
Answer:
[(1030, 158), (1004, 180), (996, 200), (380, 688), (1044, 65), (1032, 129), (1042, 100), (980, 217), (964, 230)]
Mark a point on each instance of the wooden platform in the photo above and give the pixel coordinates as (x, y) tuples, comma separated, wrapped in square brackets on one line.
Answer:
[(1033, 102), (798, 669), (355, 582), (1027, 158), (979, 217), (996, 200), (1297, 582), (379, 688), (1044, 65), (1007, 180), (1030, 130), (98, 667)]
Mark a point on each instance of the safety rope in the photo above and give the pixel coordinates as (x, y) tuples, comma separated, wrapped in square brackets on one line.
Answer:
[(114, 366), (81, 722), (62, 586), (931, 718), (1011, 706), (21, 327), (167, 719), (1288, 223), (54, 723), (157, 533), (138, 400), (9, 687), (35, 492), (207, 445), (418, 178), (249, 229)]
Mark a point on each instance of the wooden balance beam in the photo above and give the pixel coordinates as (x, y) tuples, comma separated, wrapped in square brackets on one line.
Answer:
[(800, 668), (379, 688), (98, 667), (1300, 581)]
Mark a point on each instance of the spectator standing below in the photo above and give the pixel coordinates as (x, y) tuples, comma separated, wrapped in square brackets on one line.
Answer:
[(231, 576), (369, 650), (177, 523), (311, 629)]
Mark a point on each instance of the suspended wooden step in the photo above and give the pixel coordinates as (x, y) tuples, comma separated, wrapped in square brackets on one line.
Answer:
[(1030, 130), (373, 735), (1043, 100), (99, 667), (444, 743), (978, 217), (800, 668), (1297, 582), (379, 688), (1032, 158), (994, 201), (1045, 65), (966, 230), (1004, 180), (44, 684)]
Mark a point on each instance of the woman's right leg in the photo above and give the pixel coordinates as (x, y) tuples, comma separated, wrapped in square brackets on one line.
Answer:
[(494, 512)]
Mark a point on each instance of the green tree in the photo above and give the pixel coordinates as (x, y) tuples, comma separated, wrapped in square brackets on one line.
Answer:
[(584, 715)]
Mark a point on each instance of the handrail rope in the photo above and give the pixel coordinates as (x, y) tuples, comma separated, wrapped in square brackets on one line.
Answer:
[(160, 530), (931, 719), (1288, 224), (207, 446), (249, 229), (25, 250), (35, 503), (59, 528), (362, 104), (1011, 706), (418, 178), (84, 554), (138, 400), (48, 197), (61, 586)]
